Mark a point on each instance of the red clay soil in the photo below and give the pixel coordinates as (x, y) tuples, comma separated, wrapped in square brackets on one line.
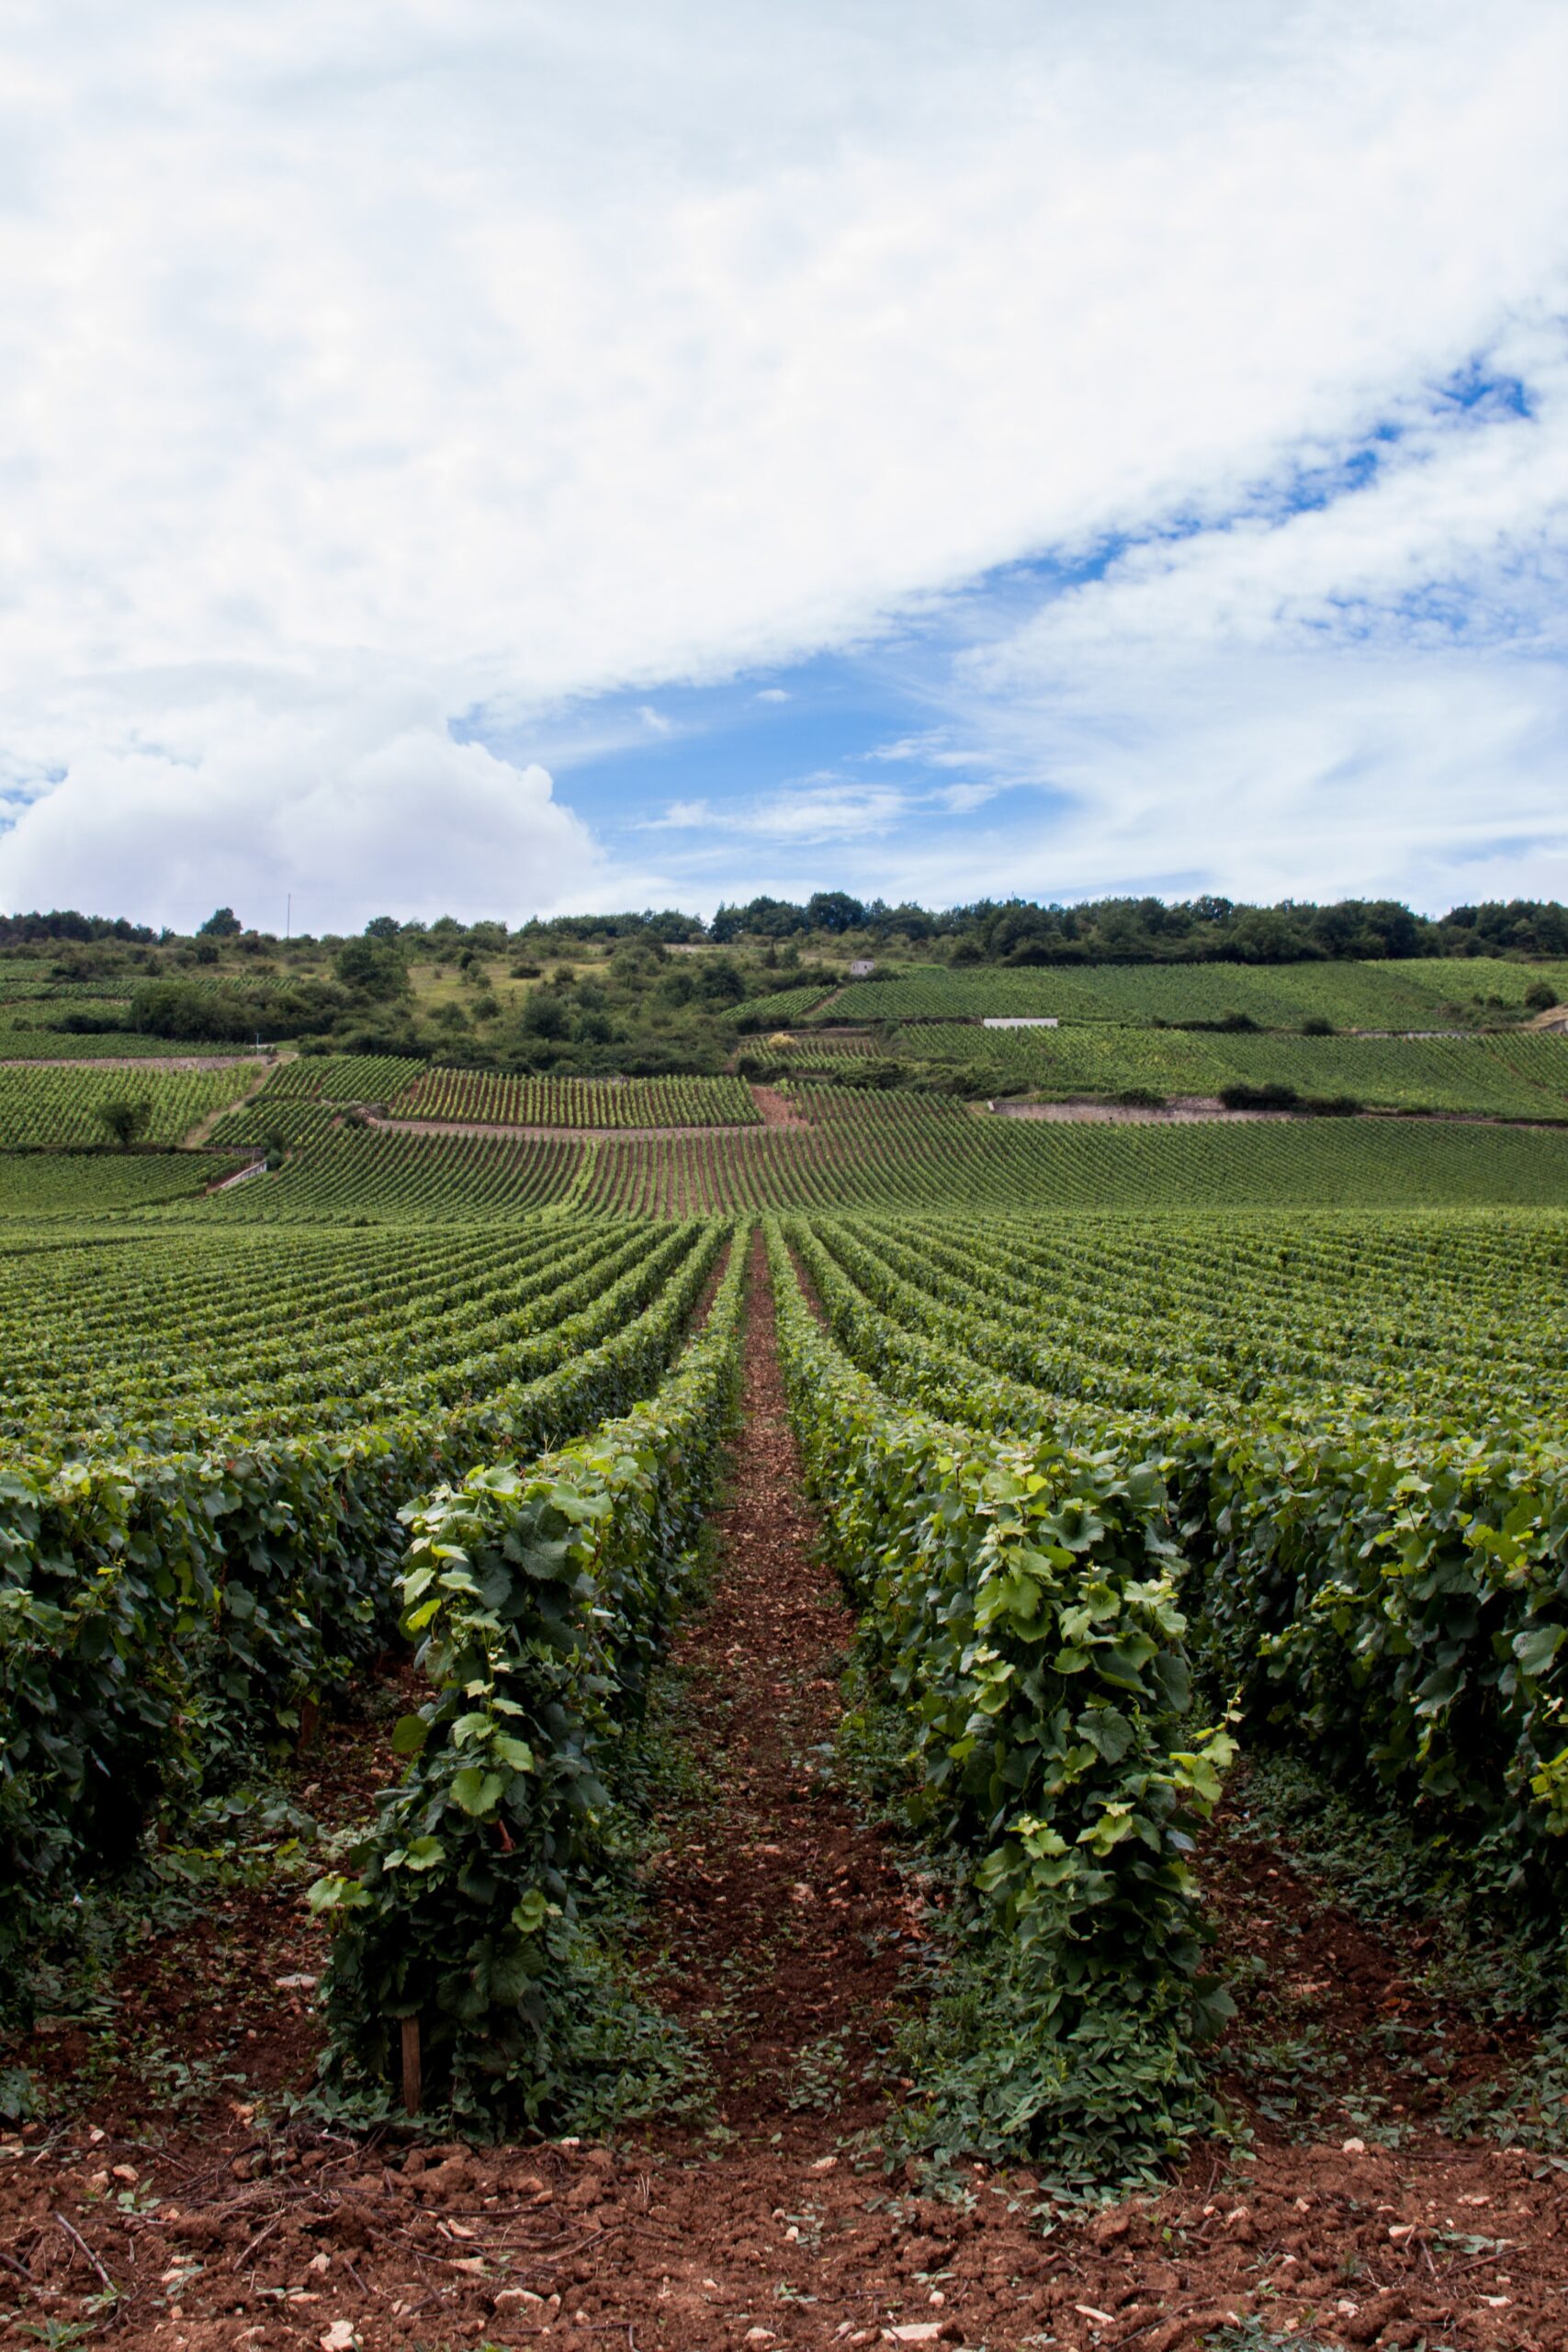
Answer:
[(778, 1110), (150, 2212), (781, 1916)]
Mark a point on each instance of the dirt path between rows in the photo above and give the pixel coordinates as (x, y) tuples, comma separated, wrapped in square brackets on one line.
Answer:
[(782, 1914), (198, 1136)]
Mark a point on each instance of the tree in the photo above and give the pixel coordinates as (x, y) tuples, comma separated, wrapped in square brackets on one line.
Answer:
[(834, 911), (223, 924), (382, 927), (543, 1015), (372, 968), (123, 1121)]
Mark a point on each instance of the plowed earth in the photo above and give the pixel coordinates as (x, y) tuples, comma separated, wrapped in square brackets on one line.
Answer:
[(151, 2211)]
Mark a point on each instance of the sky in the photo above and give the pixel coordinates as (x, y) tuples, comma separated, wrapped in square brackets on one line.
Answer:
[(489, 458)]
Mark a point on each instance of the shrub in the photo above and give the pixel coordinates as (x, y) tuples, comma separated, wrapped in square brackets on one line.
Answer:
[(1242, 1096)]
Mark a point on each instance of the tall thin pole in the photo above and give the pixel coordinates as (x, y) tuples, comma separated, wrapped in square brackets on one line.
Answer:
[(288, 919)]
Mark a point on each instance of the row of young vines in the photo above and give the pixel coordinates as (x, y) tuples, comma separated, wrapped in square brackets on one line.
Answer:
[(1091, 1551), (182, 1571)]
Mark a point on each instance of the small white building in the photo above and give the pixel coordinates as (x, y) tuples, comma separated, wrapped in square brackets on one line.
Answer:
[(862, 968), (1020, 1020)]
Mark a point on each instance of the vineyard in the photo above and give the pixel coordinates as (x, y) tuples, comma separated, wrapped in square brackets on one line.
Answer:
[(363, 1171), (1060, 1469), (79, 1185), (341, 1078), (407, 1557), (921, 1153), (496, 1099), (778, 1009), (1513, 1075), (1413, 994), (22, 1041), (859, 1149), (253, 1488), (66, 1106)]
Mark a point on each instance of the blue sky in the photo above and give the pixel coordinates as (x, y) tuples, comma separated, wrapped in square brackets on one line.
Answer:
[(497, 460), (892, 767)]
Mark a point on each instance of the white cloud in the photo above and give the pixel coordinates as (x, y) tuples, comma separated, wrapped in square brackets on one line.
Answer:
[(822, 808), (772, 694), (356, 809), (485, 355), (681, 816), (818, 809), (1367, 696)]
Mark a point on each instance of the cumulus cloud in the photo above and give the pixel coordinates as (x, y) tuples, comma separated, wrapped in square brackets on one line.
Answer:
[(354, 810), (500, 358)]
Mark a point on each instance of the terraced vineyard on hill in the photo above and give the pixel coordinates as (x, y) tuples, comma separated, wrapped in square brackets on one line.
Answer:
[(65, 1107), (497, 1098), (1416, 993), (1513, 1075)]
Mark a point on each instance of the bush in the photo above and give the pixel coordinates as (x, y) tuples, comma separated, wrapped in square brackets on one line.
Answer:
[(1241, 1096), (1317, 1024)]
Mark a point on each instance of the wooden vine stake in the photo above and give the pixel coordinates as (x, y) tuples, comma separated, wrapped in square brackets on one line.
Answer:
[(413, 2086)]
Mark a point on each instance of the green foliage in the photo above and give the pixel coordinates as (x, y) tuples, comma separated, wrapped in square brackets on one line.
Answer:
[(350, 1171), (510, 1100), (1515, 1074), (781, 1006), (921, 1152), (373, 968), (42, 1107), (71, 1186), (1412, 993), (163, 1613), (1381, 1577), (124, 1120), (234, 1013), (1018, 1600), (540, 1599)]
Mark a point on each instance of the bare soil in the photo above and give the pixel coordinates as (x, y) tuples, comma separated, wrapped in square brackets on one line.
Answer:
[(778, 1110), (782, 1917), (1182, 1110), (776, 1929)]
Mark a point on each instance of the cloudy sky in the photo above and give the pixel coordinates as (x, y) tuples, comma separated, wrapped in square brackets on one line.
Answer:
[(494, 456)]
